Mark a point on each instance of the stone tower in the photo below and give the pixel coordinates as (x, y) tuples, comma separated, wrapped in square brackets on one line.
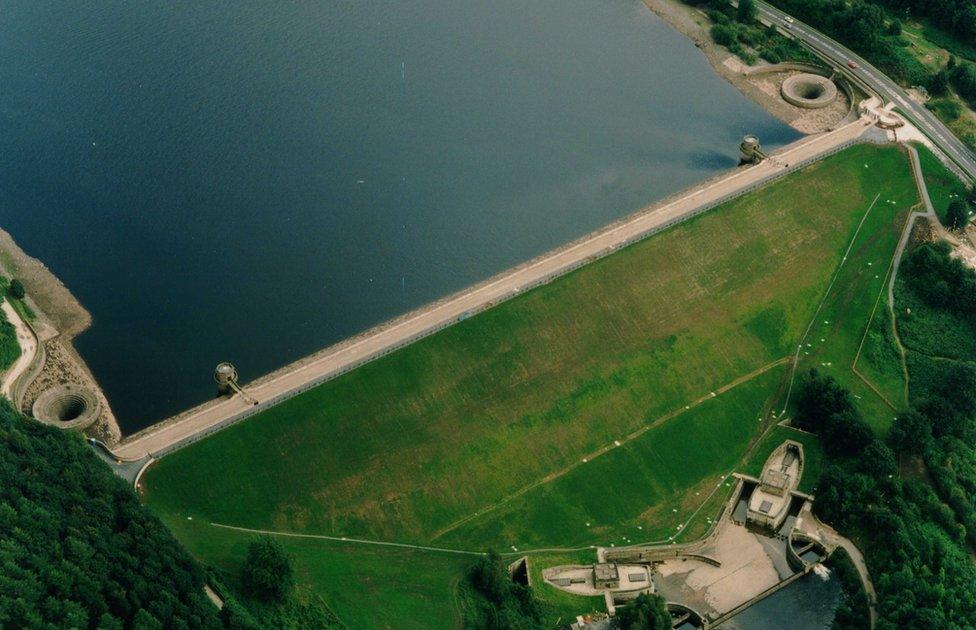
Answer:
[(226, 376), (751, 152)]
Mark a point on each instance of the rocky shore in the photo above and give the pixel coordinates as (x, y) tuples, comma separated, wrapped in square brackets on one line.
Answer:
[(761, 87), (59, 317)]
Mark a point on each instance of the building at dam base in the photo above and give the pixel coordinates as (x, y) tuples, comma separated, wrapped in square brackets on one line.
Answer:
[(765, 539)]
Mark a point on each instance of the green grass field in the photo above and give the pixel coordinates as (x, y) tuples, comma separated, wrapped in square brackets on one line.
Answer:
[(499, 411), (839, 328), (365, 586), (942, 184), (880, 362), (641, 491)]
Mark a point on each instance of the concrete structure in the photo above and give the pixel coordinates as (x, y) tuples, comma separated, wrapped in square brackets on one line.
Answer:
[(204, 420), (751, 152), (618, 583), (770, 501), (225, 374), (67, 407), (709, 581), (873, 81), (606, 576), (809, 91)]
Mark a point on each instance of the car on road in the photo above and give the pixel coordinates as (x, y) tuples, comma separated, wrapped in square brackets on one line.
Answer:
[(852, 65)]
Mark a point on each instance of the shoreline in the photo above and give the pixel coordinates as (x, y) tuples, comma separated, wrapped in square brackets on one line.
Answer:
[(695, 25), (59, 318)]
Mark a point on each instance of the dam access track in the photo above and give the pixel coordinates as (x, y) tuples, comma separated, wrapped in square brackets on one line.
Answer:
[(210, 417)]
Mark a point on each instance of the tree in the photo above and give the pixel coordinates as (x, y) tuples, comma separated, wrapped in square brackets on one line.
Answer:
[(963, 78), (747, 12), (648, 612), (819, 397), (878, 461), (911, 433), (503, 603), (957, 215), (894, 28), (79, 550), (939, 83), (490, 577), (16, 289), (845, 434), (267, 573)]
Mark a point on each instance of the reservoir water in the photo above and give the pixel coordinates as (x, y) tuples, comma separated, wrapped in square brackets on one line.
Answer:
[(807, 604), (252, 181)]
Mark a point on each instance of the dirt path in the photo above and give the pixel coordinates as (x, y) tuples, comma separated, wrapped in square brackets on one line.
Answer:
[(302, 375), (933, 219), (28, 348)]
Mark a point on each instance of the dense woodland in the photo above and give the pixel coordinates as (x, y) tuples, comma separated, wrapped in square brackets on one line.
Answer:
[(78, 549), (910, 502)]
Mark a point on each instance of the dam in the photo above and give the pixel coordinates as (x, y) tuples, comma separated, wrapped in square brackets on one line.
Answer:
[(410, 154)]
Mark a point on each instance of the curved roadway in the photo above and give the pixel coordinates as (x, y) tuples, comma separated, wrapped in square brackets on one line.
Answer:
[(866, 74)]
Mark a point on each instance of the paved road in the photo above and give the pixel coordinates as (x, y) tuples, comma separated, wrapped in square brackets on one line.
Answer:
[(210, 417), (865, 73)]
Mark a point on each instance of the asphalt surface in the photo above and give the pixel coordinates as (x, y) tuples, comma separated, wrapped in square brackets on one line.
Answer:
[(839, 56)]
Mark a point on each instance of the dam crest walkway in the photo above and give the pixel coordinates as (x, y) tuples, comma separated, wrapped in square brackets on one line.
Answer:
[(208, 418)]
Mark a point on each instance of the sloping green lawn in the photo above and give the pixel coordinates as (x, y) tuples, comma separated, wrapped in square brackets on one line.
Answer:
[(943, 186), (500, 409)]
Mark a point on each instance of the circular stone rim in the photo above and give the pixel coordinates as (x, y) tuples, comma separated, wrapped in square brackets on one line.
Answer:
[(91, 407), (794, 86)]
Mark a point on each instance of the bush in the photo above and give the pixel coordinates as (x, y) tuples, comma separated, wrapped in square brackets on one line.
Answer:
[(946, 109), (16, 289), (267, 574), (724, 34)]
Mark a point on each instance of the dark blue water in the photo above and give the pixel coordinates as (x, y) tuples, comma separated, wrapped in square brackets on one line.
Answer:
[(807, 604), (252, 181)]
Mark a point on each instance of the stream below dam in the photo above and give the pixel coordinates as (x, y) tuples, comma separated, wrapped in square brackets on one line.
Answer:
[(251, 182)]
